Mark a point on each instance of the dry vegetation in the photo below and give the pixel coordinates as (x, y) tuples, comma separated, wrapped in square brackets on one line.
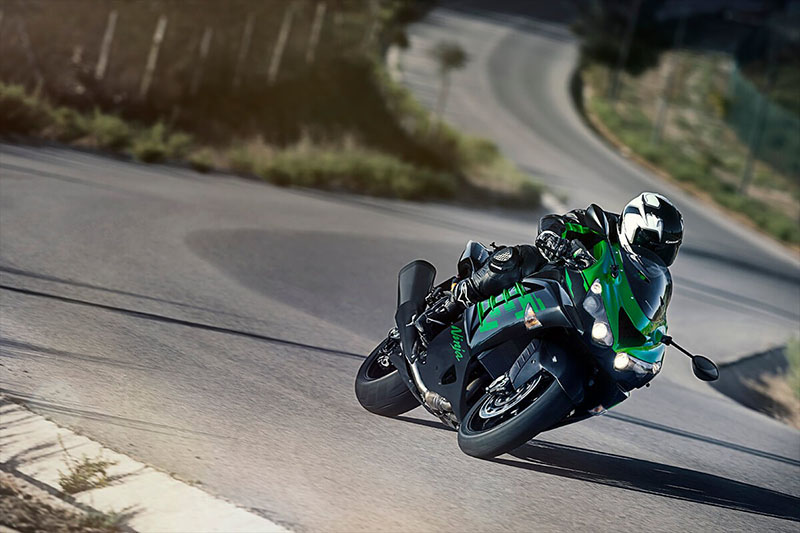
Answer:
[(696, 145), (335, 122)]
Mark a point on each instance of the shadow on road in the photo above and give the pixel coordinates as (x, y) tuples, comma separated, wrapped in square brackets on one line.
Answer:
[(650, 425), (422, 422), (652, 478)]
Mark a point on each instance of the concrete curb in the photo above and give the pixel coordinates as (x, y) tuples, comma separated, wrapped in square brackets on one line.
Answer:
[(152, 500)]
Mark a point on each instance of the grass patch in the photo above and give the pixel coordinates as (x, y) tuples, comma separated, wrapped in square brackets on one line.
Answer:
[(356, 170), (21, 113), (111, 521), (475, 169), (202, 160), (83, 474), (157, 144), (68, 124), (109, 132)]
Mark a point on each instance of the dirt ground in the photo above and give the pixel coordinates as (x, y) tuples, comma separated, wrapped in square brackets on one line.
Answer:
[(25, 508), (760, 383)]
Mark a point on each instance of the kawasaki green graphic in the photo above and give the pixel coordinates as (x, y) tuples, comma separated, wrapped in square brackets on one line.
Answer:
[(513, 300), (458, 337)]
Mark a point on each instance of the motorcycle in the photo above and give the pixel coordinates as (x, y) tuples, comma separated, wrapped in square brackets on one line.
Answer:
[(560, 346)]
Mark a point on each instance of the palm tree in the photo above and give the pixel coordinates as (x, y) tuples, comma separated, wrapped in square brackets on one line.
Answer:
[(449, 56)]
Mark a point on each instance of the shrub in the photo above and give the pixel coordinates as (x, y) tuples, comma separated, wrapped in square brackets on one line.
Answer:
[(179, 144), (202, 160), (358, 170), (240, 160), (68, 124), (150, 147), (20, 113), (109, 132), (149, 150), (157, 144)]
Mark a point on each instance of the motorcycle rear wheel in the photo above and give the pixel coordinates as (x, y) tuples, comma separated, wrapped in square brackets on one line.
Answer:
[(544, 404), (380, 388)]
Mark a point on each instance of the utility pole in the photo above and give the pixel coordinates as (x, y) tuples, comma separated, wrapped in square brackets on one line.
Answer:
[(625, 49)]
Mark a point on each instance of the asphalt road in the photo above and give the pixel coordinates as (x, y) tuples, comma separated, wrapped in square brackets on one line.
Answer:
[(212, 327)]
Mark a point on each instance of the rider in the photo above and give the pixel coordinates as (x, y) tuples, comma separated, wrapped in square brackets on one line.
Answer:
[(649, 220)]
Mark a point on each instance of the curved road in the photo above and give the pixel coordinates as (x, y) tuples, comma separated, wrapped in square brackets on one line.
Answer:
[(212, 327)]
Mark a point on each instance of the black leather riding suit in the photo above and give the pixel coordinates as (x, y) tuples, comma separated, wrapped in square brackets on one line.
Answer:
[(506, 266)]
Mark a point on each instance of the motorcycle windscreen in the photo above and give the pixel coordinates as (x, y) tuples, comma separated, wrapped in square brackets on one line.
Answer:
[(650, 282)]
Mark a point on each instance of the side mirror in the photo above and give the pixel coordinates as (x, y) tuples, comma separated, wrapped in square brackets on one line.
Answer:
[(597, 219), (704, 368)]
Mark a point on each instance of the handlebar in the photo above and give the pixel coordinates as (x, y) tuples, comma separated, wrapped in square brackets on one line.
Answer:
[(578, 256)]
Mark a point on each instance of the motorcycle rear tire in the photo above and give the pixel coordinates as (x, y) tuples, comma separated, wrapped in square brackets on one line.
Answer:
[(382, 393)]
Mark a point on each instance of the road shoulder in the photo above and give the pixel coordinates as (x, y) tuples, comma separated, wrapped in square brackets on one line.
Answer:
[(39, 450)]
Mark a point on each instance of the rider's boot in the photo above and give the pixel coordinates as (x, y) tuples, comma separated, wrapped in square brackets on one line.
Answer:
[(437, 317), (440, 314)]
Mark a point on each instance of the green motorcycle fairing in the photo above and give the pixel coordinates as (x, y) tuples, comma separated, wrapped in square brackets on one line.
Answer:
[(637, 289)]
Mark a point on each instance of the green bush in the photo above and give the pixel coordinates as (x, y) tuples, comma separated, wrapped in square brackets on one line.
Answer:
[(357, 170), (202, 160), (69, 124), (110, 132), (151, 147), (20, 113), (179, 144), (157, 144), (240, 160), (148, 150), (652, 152)]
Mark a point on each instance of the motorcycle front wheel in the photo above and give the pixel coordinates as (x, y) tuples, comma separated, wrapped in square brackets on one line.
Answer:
[(502, 421), (380, 388)]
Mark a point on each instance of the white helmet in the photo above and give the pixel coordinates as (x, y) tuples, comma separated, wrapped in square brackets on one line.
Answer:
[(652, 222)]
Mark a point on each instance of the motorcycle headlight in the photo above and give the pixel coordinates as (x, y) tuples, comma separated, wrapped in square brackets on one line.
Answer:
[(624, 361), (593, 304), (621, 361)]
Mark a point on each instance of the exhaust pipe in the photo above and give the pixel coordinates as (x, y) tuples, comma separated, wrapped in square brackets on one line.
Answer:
[(413, 285)]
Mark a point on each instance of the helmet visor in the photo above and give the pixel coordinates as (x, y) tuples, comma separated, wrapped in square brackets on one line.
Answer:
[(666, 251), (646, 237)]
